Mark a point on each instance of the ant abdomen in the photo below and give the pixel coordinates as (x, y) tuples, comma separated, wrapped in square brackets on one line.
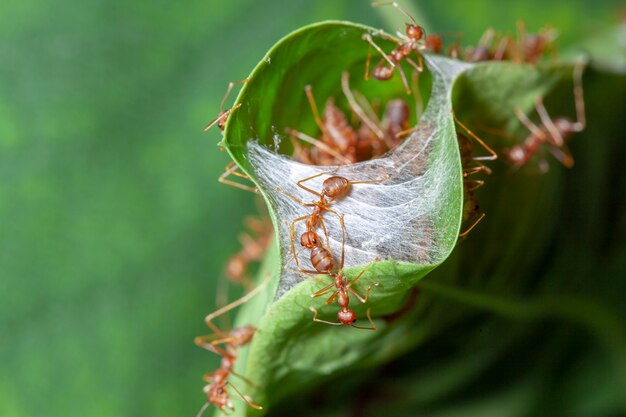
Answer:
[(335, 187), (382, 73), (321, 259)]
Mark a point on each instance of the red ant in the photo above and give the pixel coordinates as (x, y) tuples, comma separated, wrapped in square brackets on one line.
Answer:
[(218, 380), (552, 133), (231, 168), (221, 119), (333, 188), (472, 165), (483, 51), (531, 47), (413, 41), (339, 142), (343, 289), (323, 263)]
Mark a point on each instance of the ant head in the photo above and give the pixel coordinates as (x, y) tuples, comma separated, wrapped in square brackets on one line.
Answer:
[(346, 316), (221, 120), (471, 209), (414, 32), (382, 73), (309, 239), (219, 397), (335, 187)]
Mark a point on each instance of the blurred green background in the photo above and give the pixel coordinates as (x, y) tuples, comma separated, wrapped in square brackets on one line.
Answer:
[(114, 229)]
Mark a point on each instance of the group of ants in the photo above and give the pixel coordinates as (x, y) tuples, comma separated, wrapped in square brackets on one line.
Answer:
[(339, 143)]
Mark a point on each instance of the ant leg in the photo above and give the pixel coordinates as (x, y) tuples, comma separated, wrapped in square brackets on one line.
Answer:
[(419, 67), (579, 98), (404, 80), (332, 297), (369, 181), (369, 317), (321, 222), (300, 154), (493, 155), (315, 142), (547, 122), (486, 38), (205, 342), (209, 319), (534, 129), (299, 183), (323, 291), (367, 62), (472, 226), (320, 320), (244, 379), (477, 184), (367, 37), (231, 169), (296, 199), (419, 102), (316, 115), (367, 292), (345, 79), (203, 409), (223, 116), (475, 170), (229, 89), (343, 230), (502, 47), (293, 238), (244, 397), (563, 155)]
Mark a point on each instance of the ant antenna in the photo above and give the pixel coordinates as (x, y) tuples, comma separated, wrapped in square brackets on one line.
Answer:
[(229, 89), (397, 6)]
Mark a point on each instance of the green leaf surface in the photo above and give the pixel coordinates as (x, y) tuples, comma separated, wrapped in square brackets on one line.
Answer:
[(290, 351)]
